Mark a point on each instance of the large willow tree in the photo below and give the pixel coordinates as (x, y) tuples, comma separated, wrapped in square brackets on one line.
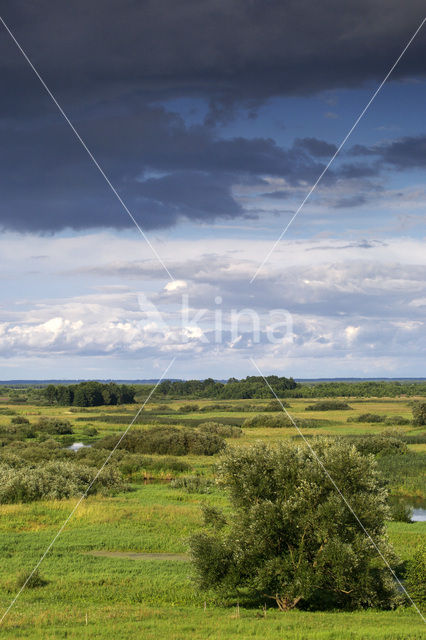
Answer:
[(290, 536)]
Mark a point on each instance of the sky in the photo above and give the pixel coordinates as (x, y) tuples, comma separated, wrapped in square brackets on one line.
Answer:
[(212, 120)]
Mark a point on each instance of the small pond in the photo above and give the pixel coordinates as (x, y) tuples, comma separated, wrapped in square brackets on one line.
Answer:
[(75, 446)]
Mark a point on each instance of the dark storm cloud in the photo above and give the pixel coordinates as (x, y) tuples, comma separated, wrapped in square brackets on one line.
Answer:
[(242, 49), (112, 63), (164, 169), (317, 148), (404, 153)]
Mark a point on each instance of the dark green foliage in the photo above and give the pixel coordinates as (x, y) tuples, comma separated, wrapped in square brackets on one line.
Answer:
[(30, 580), (167, 441), (280, 421), (250, 387), (272, 422), (90, 431), (400, 511), (415, 577), (54, 426), (328, 405), (275, 405), (290, 536), (193, 484), (223, 430), (254, 387), (419, 414), (379, 444), (19, 420), (17, 432), (89, 394), (188, 408), (375, 418), (367, 417)]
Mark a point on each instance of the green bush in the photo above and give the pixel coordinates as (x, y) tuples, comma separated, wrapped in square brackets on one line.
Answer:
[(379, 444), (280, 421), (54, 426), (53, 481), (275, 405), (400, 511), (19, 420), (188, 408), (31, 581), (415, 577), (367, 417), (328, 405), (288, 535), (397, 420), (166, 441), (90, 431), (271, 422), (223, 430), (419, 414)]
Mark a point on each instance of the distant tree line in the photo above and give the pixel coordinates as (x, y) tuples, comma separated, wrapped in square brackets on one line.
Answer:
[(250, 387), (255, 387), (89, 394)]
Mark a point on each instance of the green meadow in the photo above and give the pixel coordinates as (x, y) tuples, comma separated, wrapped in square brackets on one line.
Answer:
[(93, 589)]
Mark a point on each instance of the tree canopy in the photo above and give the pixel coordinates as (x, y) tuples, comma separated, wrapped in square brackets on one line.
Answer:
[(290, 537), (89, 394)]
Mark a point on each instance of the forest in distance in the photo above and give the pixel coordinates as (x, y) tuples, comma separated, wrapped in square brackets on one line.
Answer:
[(94, 393)]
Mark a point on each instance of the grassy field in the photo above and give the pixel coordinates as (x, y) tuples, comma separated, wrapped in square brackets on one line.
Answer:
[(102, 596)]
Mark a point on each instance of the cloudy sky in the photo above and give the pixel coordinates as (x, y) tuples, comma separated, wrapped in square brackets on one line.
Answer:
[(212, 119)]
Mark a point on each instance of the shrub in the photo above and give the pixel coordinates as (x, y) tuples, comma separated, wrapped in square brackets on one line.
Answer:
[(328, 405), (223, 430), (272, 422), (55, 426), (188, 408), (280, 421), (289, 535), (367, 417), (53, 481), (90, 431), (193, 484), (397, 420), (167, 441), (275, 405), (19, 420), (35, 580), (379, 444), (415, 577), (400, 511), (419, 414)]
